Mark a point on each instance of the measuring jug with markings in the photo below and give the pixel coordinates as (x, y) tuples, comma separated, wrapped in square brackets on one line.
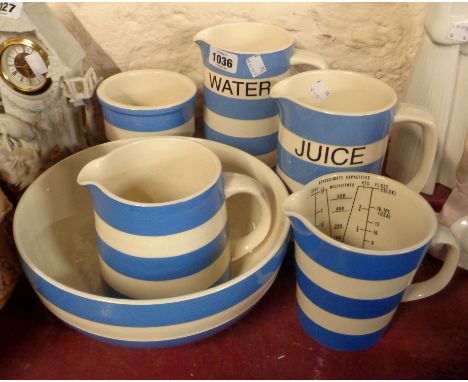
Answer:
[(334, 120), (359, 239), (242, 62)]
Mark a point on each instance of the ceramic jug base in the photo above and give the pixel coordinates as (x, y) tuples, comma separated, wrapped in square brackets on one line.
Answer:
[(338, 341)]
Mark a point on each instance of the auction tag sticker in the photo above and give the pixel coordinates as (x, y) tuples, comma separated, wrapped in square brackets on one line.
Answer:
[(256, 65), (320, 91), (12, 10), (223, 60), (36, 63), (459, 31)]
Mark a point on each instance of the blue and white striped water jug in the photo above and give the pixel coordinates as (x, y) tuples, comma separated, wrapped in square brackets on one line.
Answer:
[(242, 63)]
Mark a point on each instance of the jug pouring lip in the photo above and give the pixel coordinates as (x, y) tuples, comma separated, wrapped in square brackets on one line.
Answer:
[(92, 171), (296, 89), (214, 35), (300, 196), (290, 210)]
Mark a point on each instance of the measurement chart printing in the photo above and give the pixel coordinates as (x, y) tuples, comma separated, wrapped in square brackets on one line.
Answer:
[(353, 212)]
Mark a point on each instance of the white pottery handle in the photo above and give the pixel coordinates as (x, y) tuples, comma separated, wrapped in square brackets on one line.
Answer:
[(301, 56), (421, 116), (435, 284), (460, 231), (238, 184)]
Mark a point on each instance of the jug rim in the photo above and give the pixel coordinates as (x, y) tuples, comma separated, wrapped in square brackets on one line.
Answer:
[(350, 248), (103, 97), (284, 32), (317, 107), (149, 141)]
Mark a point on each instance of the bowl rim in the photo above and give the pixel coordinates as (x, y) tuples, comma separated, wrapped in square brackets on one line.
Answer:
[(284, 232), (124, 108)]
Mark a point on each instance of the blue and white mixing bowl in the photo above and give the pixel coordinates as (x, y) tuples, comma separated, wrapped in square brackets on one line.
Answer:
[(54, 233)]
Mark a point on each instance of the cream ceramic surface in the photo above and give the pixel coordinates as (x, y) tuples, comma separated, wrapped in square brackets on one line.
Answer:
[(247, 37), (269, 158), (247, 129), (150, 194), (158, 333), (454, 144), (231, 87), (460, 231), (350, 93), (54, 233), (340, 324), (291, 142), (363, 198), (349, 286), (432, 83), (146, 89), (114, 133), (153, 172), (359, 240), (141, 103), (440, 18), (290, 182), (334, 120), (174, 244), (241, 128), (146, 289)]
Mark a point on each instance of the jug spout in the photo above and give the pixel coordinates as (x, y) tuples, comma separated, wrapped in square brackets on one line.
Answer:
[(307, 89), (296, 210), (287, 89), (283, 95), (90, 174), (279, 91), (201, 38)]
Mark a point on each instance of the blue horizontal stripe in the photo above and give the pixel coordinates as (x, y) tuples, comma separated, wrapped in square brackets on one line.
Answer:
[(334, 129), (303, 172), (336, 340), (276, 63), (149, 120), (163, 268), (244, 109), (254, 146), (159, 220), (163, 343), (146, 315), (345, 306), (353, 264), (111, 292), (148, 112)]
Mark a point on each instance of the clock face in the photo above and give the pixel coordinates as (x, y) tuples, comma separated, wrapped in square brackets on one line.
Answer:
[(23, 65)]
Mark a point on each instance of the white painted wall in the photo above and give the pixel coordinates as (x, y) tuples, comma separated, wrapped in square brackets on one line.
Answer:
[(379, 39)]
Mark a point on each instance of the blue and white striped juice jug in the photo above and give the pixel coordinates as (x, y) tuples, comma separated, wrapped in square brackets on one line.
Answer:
[(242, 63), (335, 120)]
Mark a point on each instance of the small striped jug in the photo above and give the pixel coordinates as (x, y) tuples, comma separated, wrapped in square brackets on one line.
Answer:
[(161, 220), (359, 240), (242, 62)]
